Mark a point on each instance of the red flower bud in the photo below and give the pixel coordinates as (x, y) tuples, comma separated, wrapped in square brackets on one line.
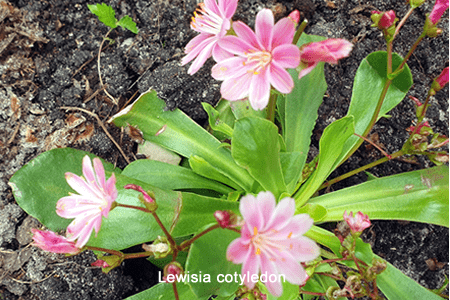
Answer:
[(295, 16)]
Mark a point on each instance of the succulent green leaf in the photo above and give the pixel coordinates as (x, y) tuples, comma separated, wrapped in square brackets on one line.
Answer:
[(215, 122), (171, 177), (105, 14), (255, 147), (420, 196), (367, 87), (163, 291), (208, 256), (179, 133), (330, 147)]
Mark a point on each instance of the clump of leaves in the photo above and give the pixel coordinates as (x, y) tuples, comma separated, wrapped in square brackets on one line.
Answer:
[(107, 16)]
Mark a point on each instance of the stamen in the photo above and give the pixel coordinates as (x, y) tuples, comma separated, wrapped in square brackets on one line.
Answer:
[(255, 231), (290, 234)]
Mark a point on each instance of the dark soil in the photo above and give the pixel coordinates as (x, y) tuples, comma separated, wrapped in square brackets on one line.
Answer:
[(48, 59)]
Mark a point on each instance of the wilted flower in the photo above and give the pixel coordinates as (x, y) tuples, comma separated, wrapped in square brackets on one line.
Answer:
[(438, 10), (53, 242), (100, 263), (262, 57), (212, 22), (272, 241), (357, 223), (93, 203), (329, 51)]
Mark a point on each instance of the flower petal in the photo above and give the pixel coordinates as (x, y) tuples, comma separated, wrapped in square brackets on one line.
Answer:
[(204, 54), (264, 28), (100, 173), (251, 266), (246, 33), (81, 186), (283, 32), (88, 171), (301, 223), (212, 5), (286, 56), (253, 217), (266, 205), (228, 7), (303, 249), (282, 214), (236, 45), (268, 268), (280, 79), (259, 92), (237, 252), (229, 68), (292, 270), (236, 88), (219, 54)]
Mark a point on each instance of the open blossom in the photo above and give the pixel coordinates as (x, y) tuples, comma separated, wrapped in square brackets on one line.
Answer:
[(53, 242), (272, 241), (438, 10), (93, 202), (329, 51), (262, 57), (357, 223), (212, 22)]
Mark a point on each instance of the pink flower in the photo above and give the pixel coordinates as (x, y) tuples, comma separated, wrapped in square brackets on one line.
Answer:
[(272, 241), (438, 10), (94, 201), (262, 57), (329, 51), (357, 223), (212, 22), (52, 242)]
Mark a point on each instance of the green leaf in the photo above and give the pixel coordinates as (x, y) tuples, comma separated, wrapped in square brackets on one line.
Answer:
[(205, 169), (397, 286), (302, 103), (255, 146), (242, 109), (171, 177), (128, 23), (163, 291), (330, 147), (215, 122), (420, 196), (40, 184), (367, 87), (207, 256), (315, 211), (177, 132), (290, 291), (105, 14), (290, 162)]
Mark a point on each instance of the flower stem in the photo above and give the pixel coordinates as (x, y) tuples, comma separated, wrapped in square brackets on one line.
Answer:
[(189, 242), (138, 255), (175, 291), (356, 171), (299, 31), (134, 207), (397, 29), (163, 228), (271, 107), (110, 251), (410, 52), (312, 293)]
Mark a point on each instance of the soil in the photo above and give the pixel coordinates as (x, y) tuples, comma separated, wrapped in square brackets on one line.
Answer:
[(48, 60)]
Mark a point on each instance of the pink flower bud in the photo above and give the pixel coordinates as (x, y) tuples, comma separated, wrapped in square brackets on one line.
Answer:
[(52, 242), (135, 187), (358, 223), (295, 16), (416, 101), (387, 20), (329, 51), (438, 10), (223, 218), (442, 79), (172, 271), (100, 263)]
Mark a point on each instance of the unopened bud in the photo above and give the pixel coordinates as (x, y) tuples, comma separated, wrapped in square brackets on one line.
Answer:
[(227, 218), (440, 81), (144, 198), (357, 223), (295, 16), (383, 20), (172, 271)]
